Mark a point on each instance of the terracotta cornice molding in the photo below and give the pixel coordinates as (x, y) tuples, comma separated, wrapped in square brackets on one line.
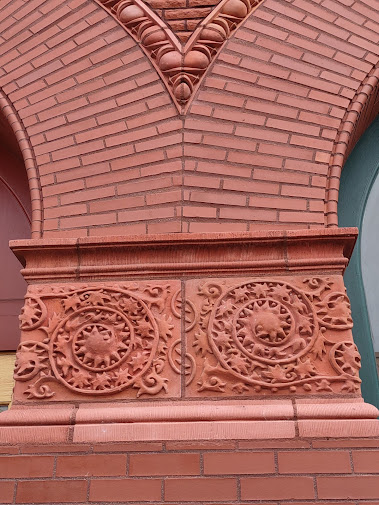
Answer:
[(184, 255), (190, 411), (181, 67)]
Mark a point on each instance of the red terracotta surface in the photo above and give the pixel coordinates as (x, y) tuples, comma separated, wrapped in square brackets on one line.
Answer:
[(38, 434), (18, 466), (366, 463), (234, 339), (209, 430), (314, 462), (181, 337), (182, 16), (91, 465), (269, 488), (182, 66), (186, 254), (164, 464), (242, 463), (108, 339), (241, 340), (361, 111), (115, 446), (348, 487), (338, 428), (210, 361), (125, 490), (50, 491)]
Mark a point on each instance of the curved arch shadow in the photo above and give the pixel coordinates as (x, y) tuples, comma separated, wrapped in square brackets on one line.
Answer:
[(357, 179), (26, 150)]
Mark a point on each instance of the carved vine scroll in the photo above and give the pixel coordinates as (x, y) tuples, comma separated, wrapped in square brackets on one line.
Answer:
[(97, 340), (226, 337), (264, 336)]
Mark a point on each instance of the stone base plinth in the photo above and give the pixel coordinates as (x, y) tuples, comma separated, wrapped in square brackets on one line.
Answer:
[(248, 420)]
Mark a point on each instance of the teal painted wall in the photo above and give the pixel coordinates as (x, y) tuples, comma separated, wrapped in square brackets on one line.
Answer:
[(358, 176)]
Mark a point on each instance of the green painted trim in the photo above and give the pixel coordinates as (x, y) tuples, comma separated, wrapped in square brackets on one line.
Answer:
[(358, 176)]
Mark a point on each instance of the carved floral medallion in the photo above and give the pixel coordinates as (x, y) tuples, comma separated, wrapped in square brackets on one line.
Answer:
[(97, 340), (264, 336), (227, 337)]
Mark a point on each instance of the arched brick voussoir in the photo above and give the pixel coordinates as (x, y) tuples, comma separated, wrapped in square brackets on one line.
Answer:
[(270, 108), (362, 110), (103, 129)]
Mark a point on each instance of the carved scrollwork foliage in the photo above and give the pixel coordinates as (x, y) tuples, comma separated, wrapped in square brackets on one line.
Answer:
[(334, 311), (101, 340), (269, 335), (32, 313), (227, 337)]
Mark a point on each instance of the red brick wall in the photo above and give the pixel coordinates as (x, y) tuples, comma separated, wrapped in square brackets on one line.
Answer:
[(252, 152), (299, 471), (183, 16)]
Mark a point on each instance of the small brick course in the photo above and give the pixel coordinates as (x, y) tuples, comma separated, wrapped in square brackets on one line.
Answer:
[(285, 471)]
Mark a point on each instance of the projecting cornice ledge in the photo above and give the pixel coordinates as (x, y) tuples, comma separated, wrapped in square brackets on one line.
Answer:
[(186, 255)]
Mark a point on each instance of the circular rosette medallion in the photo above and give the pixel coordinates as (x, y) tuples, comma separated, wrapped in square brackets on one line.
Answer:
[(101, 349), (257, 325), (32, 314), (345, 358)]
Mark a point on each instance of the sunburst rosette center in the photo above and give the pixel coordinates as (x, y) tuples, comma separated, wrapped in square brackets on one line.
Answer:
[(261, 323), (102, 349)]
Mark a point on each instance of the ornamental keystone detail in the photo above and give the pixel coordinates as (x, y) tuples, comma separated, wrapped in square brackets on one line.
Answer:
[(181, 67)]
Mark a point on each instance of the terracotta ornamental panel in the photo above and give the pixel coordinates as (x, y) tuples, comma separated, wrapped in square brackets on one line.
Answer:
[(92, 340), (105, 319), (186, 335), (270, 336)]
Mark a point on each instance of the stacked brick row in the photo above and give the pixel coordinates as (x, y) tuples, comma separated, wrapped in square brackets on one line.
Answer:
[(298, 471), (183, 16)]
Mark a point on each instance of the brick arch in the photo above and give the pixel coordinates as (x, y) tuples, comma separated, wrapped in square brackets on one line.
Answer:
[(100, 122), (23, 143), (252, 151), (361, 112)]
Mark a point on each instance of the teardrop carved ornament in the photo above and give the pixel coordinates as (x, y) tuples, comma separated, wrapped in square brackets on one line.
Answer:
[(181, 66)]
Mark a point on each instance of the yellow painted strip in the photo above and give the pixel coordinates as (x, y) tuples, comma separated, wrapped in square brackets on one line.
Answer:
[(6, 377)]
